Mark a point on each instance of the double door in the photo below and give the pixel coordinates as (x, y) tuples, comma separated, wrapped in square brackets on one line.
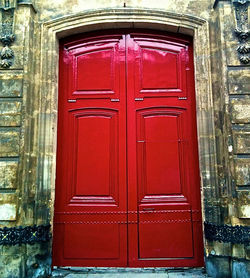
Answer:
[(127, 181)]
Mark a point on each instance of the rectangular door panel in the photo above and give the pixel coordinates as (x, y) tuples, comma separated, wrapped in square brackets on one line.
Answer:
[(167, 240), (160, 168), (155, 73), (92, 241), (161, 68), (95, 155), (95, 69), (159, 157)]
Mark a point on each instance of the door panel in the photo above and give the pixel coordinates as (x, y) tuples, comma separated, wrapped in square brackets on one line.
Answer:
[(167, 236), (95, 150), (158, 151), (161, 145), (154, 77), (94, 245), (90, 219), (154, 74), (94, 71), (95, 68), (127, 182)]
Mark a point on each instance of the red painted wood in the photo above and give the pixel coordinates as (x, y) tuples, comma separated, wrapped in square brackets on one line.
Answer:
[(163, 174), (127, 186), (91, 157)]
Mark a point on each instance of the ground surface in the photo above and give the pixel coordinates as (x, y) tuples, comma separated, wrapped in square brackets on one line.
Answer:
[(129, 273)]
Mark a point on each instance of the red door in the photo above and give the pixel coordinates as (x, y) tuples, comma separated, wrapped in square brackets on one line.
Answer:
[(127, 183)]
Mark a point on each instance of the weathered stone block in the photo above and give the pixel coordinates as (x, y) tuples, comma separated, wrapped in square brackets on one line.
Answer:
[(244, 211), (227, 21), (242, 171), (8, 173), (218, 267), (9, 250), (240, 269), (238, 250), (11, 266), (247, 250), (218, 248), (8, 206), (18, 56), (244, 196), (39, 260), (240, 109), (9, 141), (11, 85), (241, 141), (243, 204), (239, 81), (8, 212), (10, 113)]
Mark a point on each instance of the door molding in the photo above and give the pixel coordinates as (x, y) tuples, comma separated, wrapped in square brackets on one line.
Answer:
[(126, 18)]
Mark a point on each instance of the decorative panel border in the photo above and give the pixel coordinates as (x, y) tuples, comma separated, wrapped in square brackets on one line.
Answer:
[(226, 233), (25, 235)]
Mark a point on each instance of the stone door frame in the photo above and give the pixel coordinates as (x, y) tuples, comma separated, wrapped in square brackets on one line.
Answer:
[(101, 19)]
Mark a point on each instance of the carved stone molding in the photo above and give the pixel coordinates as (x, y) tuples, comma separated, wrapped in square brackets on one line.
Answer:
[(226, 233), (7, 37), (242, 29), (24, 235)]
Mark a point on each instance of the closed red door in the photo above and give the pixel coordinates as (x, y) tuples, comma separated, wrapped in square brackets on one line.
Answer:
[(127, 182)]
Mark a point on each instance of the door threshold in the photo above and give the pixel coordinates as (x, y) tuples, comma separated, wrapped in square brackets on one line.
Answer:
[(105, 270)]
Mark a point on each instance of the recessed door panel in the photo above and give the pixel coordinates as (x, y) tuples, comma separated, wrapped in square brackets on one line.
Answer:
[(127, 181), (95, 149), (95, 71), (161, 66), (160, 183), (155, 73), (167, 237), (159, 151), (97, 241)]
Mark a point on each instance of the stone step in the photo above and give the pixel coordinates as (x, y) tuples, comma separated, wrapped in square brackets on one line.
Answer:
[(76, 272)]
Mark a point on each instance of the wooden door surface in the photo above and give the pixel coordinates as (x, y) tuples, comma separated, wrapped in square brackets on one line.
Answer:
[(127, 182)]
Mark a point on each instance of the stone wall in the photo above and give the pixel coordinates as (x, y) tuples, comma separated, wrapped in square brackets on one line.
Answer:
[(28, 105)]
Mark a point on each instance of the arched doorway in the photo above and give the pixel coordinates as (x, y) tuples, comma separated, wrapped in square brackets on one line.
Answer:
[(127, 191)]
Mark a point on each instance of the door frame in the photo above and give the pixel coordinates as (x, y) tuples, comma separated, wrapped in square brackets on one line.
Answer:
[(99, 20)]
